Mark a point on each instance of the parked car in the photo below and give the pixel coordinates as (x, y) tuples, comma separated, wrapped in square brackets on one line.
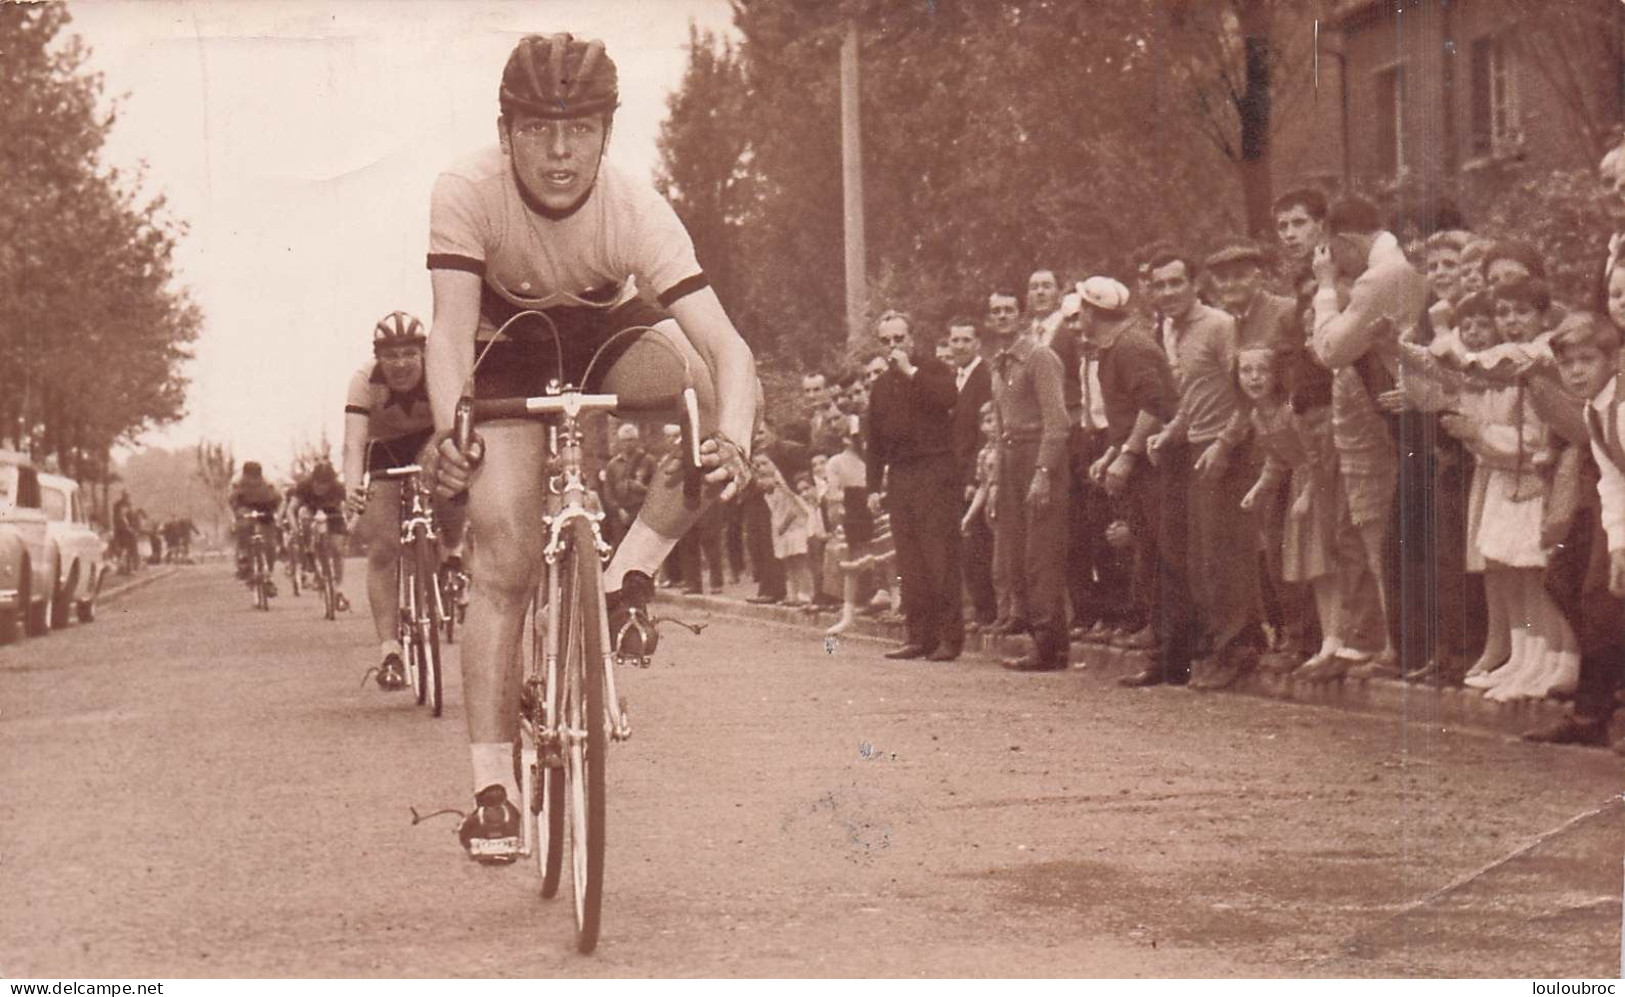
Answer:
[(76, 547), (28, 566)]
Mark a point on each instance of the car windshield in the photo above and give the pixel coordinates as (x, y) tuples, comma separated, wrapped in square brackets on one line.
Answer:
[(8, 485), (56, 504)]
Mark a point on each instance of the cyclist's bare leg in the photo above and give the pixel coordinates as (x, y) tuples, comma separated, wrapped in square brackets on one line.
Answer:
[(380, 530), (650, 370), (505, 508)]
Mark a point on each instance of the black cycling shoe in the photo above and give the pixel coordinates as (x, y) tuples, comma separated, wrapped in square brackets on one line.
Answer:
[(392, 673), (631, 631), (490, 835)]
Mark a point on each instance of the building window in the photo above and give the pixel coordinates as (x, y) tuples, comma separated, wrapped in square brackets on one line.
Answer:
[(1390, 115), (1495, 99)]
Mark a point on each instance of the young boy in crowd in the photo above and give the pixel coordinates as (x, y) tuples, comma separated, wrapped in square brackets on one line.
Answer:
[(1587, 350)]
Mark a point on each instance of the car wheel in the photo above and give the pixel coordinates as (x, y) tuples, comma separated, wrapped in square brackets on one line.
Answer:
[(62, 601), (34, 616)]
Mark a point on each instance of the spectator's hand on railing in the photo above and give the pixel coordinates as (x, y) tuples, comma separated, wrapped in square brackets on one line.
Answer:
[(1215, 460), (356, 502), (1118, 534), (1038, 493), (1153, 447), (874, 503), (1097, 470), (1116, 478), (1393, 400)]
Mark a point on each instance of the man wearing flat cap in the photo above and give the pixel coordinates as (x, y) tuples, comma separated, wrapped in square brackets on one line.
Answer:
[(1265, 320), (1236, 269)]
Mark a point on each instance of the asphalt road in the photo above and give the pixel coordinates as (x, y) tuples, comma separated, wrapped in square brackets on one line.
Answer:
[(190, 788)]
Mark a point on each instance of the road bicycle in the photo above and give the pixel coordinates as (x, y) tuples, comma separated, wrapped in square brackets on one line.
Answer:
[(325, 558), (297, 557), (419, 604), (569, 709), (453, 599), (259, 559)]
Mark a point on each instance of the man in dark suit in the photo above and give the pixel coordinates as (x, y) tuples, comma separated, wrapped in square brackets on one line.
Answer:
[(911, 462), (975, 384)]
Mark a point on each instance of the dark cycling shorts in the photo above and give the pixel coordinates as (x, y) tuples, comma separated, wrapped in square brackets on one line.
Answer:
[(526, 359)]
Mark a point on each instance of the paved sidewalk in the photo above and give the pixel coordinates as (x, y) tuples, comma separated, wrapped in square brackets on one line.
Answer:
[(1439, 708)]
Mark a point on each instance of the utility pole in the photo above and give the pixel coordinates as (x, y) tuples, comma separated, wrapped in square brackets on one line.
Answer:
[(857, 287)]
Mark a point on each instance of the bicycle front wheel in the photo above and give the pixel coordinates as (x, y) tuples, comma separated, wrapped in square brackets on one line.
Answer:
[(585, 631), (411, 633), (329, 591), (428, 624)]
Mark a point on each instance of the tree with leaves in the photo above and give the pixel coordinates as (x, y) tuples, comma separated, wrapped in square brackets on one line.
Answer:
[(93, 326)]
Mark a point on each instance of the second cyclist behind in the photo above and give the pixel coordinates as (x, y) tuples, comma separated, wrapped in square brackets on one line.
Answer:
[(387, 423)]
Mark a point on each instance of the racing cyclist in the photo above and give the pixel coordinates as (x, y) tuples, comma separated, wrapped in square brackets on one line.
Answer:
[(540, 221), (321, 491), (254, 503), (387, 424)]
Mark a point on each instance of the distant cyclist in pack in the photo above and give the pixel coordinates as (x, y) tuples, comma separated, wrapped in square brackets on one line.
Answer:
[(539, 221), (322, 491), (387, 424), (251, 498)]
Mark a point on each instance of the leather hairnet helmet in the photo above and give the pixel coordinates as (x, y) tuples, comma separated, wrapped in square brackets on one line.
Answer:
[(397, 329), (559, 76)]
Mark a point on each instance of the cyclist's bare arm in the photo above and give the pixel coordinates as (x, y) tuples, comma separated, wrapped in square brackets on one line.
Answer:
[(356, 426), (733, 368), (448, 359)]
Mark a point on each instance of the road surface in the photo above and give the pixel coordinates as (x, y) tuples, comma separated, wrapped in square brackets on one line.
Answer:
[(191, 788)]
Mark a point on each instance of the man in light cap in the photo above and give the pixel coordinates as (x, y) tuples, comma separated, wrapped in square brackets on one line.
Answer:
[(1097, 575), (626, 482), (1139, 396)]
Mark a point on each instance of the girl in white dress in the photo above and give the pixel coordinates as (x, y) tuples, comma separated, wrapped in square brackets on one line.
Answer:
[(1510, 444)]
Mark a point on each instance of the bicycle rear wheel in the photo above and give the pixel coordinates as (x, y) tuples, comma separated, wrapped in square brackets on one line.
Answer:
[(428, 623), (294, 560), (585, 629), (262, 581)]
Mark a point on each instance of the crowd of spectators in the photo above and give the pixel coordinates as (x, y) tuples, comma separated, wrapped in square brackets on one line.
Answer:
[(1335, 456)]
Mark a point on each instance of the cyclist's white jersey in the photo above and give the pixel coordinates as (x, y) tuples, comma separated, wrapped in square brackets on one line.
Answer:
[(622, 237)]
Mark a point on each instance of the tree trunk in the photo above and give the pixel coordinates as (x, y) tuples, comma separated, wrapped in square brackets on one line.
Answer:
[(1254, 110)]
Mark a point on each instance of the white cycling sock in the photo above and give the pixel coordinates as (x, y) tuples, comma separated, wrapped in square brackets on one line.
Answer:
[(493, 766), (642, 549), (388, 647)]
